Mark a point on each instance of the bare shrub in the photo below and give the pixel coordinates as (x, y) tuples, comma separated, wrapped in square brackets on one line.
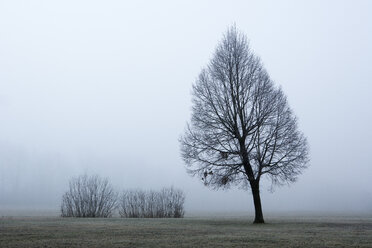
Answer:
[(166, 203), (89, 196)]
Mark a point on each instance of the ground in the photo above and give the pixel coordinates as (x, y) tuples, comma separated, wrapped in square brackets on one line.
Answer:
[(187, 232)]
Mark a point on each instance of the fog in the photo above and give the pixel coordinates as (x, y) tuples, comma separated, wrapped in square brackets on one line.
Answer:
[(104, 87)]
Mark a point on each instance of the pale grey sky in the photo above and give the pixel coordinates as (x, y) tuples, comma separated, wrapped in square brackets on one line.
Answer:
[(104, 87)]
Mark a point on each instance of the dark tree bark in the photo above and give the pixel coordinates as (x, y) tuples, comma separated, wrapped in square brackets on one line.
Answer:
[(242, 127), (257, 202)]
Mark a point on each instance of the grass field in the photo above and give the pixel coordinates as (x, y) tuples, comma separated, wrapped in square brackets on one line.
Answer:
[(187, 232)]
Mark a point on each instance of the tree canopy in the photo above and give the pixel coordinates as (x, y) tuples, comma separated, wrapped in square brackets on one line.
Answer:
[(242, 127)]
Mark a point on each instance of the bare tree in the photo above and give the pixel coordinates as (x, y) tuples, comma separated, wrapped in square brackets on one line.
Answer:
[(88, 197), (242, 127), (166, 203)]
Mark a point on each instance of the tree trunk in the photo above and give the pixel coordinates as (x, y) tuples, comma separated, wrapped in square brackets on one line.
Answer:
[(257, 202)]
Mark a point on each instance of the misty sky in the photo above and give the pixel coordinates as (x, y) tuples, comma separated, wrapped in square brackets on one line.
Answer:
[(103, 87)]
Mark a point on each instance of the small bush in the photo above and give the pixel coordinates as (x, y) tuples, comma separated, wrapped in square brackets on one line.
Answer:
[(166, 203), (88, 197)]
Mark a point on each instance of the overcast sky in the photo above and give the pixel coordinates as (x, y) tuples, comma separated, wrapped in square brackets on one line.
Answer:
[(103, 87)]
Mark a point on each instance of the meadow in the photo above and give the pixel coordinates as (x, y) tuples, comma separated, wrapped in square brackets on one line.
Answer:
[(208, 231)]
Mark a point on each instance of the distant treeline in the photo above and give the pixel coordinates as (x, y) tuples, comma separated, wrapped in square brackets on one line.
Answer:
[(92, 196)]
